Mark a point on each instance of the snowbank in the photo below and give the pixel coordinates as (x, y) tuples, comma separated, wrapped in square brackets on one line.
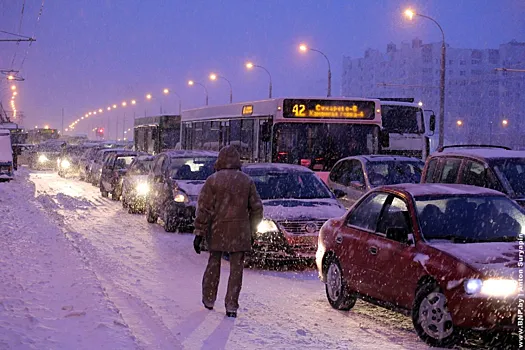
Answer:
[(49, 298)]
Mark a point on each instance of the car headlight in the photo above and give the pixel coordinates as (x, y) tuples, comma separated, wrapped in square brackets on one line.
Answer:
[(142, 189), (65, 164), (491, 287), (42, 158), (266, 226), (180, 197)]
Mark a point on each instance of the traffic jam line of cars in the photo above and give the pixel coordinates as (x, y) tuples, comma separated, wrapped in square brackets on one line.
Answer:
[(435, 240)]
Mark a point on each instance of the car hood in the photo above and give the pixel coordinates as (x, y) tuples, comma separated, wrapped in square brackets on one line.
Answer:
[(492, 259), (191, 187), (302, 209), (138, 178)]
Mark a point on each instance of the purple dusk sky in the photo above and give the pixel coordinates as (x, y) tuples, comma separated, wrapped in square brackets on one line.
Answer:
[(90, 54)]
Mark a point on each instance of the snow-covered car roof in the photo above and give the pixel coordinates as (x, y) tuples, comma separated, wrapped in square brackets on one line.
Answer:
[(431, 189), (190, 153), (482, 152), (276, 167), (144, 158), (382, 158)]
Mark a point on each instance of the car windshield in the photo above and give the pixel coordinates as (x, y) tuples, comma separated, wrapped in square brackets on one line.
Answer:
[(393, 172), (512, 170), (465, 219), (320, 146), (141, 167), (289, 185), (195, 168)]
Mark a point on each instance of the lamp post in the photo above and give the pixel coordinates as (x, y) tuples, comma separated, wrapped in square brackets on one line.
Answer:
[(191, 83), (167, 91), (304, 48), (410, 14), (214, 77), (250, 65)]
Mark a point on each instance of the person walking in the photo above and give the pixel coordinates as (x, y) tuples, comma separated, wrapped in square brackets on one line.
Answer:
[(228, 212)]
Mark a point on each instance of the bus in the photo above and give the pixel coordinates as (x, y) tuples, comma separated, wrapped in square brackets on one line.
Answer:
[(404, 121), (313, 132), (157, 133), (39, 135)]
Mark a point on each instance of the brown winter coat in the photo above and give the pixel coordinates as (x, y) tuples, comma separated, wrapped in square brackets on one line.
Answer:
[(230, 204)]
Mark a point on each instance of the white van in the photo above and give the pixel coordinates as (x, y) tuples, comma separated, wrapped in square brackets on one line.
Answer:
[(6, 156)]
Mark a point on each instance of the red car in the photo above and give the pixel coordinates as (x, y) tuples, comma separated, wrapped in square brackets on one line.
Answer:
[(449, 255)]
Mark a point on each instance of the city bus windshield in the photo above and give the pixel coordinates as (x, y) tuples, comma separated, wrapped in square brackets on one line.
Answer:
[(402, 119), (318, 146)]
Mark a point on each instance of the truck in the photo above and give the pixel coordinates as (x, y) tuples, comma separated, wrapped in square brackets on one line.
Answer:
[(6, 156)]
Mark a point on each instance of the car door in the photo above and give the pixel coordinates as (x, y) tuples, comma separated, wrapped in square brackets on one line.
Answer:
[(349, 179), (107, 172), (352, 239), (395, 270), (336, 182), (157, 183)]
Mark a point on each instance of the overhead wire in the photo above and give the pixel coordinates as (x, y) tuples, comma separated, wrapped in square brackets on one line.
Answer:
[(19, 31), (31, 42)]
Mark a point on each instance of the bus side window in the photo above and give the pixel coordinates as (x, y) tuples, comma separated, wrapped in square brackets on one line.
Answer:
[(235, 134), (265, 138)]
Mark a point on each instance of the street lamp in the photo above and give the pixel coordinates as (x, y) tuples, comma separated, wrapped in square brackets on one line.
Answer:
[(215, 77), (250, 65), (410, 15), (167, 91), (191, 83), (13, 87), (114, 106), (504, 122), (459, 123), (304, 48)]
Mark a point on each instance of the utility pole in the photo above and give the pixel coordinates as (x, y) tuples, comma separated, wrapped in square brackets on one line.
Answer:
[(62, 132), (124, 125)]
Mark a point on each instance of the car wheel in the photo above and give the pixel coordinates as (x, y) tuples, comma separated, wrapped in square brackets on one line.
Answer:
[(337, 292), (151, 217), (432, 319)]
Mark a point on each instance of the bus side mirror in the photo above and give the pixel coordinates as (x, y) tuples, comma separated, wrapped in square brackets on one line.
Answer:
[(266, 132), (432, 123), (384, 139)]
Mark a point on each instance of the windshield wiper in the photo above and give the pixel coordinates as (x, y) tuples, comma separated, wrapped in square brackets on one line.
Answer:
[(455, 239)]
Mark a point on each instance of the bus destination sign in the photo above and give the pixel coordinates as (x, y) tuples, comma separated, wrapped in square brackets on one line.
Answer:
[(328, 109)]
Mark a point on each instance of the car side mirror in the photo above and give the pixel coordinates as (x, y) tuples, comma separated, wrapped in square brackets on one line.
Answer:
[(432, 123), (399, 234), (357, 184), (339, 193), (158, 178)]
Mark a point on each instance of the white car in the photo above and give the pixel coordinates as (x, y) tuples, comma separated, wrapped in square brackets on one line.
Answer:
[(135, 187), (352, 177)]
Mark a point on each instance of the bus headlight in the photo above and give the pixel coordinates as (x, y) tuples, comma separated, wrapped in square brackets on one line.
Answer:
[(65, 164), (42, 158), (142, 189)]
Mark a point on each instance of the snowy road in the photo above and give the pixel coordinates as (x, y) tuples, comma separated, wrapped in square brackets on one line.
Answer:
[(151, 279)]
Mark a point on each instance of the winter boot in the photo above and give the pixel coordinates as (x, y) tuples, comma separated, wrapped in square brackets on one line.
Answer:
[(231, 314)]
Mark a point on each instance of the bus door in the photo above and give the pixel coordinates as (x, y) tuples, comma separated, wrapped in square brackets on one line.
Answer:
[(264, 140), (224, 134)]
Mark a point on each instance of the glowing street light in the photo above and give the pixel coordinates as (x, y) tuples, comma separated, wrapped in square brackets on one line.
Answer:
[(109, 108), (214, 77), (505, 122), (90, 113), (100, 110), (409, 13), (114, 106), (304, 48), (124, 104), (13, 87), (133, 102), (10, 77), (15, 93), (148, 96), (250, 65), (167, 91), (459, 122), (191, 83)]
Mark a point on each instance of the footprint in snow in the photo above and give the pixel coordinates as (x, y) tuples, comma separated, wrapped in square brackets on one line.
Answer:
[(301, 332)]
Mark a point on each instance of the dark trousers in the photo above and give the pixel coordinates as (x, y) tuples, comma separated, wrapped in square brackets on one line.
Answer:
[(212, 275)]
